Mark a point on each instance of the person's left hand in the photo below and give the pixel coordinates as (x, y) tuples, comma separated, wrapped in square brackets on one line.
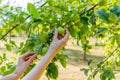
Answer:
[(23, 62)]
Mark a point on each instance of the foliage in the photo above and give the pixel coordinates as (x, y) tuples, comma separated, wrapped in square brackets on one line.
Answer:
[(83, 18)]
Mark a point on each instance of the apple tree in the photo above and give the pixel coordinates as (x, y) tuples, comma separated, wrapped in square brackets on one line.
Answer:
[(83, 18)]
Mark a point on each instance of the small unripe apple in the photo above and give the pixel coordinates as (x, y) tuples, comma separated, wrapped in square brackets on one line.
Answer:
[(45, 34), (61, 31), (102, 2), (118, 63), (44, 50), (89, 46)]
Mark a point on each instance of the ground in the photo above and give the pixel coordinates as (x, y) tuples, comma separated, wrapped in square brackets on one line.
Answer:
[(75, 60)]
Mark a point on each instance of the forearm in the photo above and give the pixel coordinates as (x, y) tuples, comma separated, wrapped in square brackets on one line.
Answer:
[(12, 76), (38, 70)]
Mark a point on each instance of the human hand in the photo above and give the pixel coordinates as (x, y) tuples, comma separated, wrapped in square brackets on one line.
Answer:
[(23, 62), (58, 41)]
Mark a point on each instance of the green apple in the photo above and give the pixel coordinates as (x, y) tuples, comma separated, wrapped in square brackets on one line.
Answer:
[(118, 63), (61, 31), (89, 46), (102, 2), (44, 50), (45, 34)]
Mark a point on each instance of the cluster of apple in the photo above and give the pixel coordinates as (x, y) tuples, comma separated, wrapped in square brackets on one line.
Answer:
[(61, 32)]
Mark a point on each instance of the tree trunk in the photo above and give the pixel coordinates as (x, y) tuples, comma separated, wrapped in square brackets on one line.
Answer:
[(85, 56)]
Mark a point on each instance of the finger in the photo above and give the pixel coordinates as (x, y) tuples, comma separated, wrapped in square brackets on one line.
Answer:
[(27, 55), (31, 59), (66, 37), (55, 33)]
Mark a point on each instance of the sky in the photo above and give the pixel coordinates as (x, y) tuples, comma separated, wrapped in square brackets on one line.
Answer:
[(20, 3)]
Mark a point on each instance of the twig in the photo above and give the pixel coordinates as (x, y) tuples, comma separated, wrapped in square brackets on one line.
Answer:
[(88, 10), (9, 31), (18, 24), (43, 4), (104, 61), (3, 19), (110, 54)]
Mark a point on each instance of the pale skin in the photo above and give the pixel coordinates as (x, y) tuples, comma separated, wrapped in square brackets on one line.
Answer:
[(38, 70), (23, 62)]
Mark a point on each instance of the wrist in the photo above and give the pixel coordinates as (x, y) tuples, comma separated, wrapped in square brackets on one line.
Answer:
[(13, 76), (16, 74)]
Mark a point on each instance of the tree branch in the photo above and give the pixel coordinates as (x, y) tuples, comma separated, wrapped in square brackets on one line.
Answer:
[(88, 10), (98, 67), (17, 24), (9, 31), (110, 54)]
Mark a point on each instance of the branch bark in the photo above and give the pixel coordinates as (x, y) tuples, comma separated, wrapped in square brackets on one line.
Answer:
[(88, 10), (16, 25), (96, 69)]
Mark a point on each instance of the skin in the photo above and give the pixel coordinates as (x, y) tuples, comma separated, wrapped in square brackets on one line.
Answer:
[(56, 44), (23, 62)]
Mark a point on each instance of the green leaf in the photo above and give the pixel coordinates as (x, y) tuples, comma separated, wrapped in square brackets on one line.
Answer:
[(35, 25), (52, 71), (107, 74), (90, 61), (95, 73), (33, 10), (103, 15), (0, 33), (3, 68), (118, 40), (13, 43), (100, 30), (4, 56), (28, 27), (84, 20), (21, 44), (115, 10), (21, 18), (85, 71), (50, 2), (92, 19), (72, 31), (8, 47), (0, 1), (63, 62), (1, 60)]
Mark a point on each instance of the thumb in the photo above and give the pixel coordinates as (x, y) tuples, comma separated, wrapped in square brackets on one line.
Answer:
[(55, 34)]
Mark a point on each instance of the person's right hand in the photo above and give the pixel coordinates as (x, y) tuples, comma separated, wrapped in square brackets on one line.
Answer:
[(59, 43), (23, 63)]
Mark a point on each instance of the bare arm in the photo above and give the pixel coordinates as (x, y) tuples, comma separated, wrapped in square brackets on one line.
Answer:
[(56, 44), (12, 76), (23, 63)]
